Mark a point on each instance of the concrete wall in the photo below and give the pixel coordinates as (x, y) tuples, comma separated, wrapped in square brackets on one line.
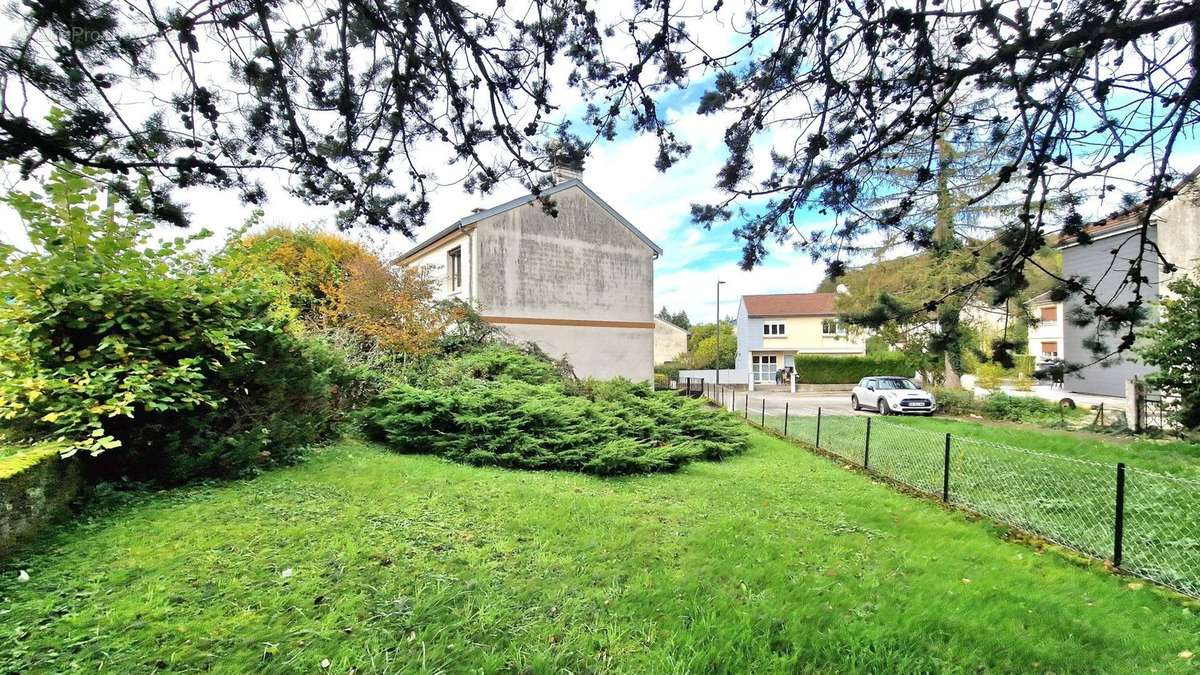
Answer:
[(1096, 262), (669, 341), (1179, 221), (36, 488), (583, 266), (599, 352)]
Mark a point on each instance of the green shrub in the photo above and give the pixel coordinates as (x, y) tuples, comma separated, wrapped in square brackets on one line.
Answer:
[(670, 370), (1002, 406), (661, 381), (148, 356), (955, 401), (503, 363), (608, 428), (1024, 364), (987, 376), (821, 369)]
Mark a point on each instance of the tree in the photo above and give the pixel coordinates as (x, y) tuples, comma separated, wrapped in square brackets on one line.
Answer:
[(344, 98), (702, 346), (1172, 345), (679, 319), (394, 307)]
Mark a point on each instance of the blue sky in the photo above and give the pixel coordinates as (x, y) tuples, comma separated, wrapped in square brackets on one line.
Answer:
[(623, 173)]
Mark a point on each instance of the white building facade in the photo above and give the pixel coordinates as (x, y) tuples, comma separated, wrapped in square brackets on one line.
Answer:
[(579, 284)]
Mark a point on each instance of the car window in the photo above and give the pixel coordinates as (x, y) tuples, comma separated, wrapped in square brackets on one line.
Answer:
[(894, 383)]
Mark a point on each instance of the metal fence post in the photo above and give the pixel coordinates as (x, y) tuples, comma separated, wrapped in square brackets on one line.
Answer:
[(746, 408), (867, 447), (1119, 525), (785, 416), (818, 443), (946, 472), (763, 422)]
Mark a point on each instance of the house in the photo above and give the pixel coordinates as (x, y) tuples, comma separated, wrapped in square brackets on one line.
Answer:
[(772, 329), (1046, 334), (579, 285), (669, 341), (1105, 262)]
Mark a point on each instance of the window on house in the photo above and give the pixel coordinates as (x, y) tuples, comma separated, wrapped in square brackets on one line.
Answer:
[(763, 367), (832, 327), (1050, 350), (774, 329), (1049, 315), (454, 268)]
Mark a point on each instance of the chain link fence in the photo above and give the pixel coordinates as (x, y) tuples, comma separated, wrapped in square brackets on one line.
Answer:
[(1144, 523)]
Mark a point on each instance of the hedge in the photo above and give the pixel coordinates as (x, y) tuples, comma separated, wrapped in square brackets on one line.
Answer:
[(821, 369)]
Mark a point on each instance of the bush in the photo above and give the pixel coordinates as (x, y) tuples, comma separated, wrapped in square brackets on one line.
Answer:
[(604, 428), (955, 401), (503, 363), (987, 376), (1002, 406), (661, 382), (820, 369), (149, 356)]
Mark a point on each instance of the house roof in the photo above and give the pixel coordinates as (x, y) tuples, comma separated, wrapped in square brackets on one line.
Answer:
[(1041, 298), (1126, 220), (668, 324), (791, 304), (462, 223)]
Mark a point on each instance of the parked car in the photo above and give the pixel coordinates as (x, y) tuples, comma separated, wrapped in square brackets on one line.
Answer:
[(892, 396)]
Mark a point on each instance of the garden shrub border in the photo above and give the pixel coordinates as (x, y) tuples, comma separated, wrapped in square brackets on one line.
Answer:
[(823, 369)]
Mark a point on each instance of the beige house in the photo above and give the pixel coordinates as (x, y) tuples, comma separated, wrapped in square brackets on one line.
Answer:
[(772, 329), (669, 341), (1046, 334), (580, 285)]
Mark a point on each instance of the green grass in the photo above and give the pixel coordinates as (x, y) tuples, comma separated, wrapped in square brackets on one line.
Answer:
[(774, 561), (1174, 457)]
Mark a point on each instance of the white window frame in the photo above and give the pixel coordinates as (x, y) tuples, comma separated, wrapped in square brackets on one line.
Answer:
[(839, 328), (775, 329), (454, 268), (759, 365)]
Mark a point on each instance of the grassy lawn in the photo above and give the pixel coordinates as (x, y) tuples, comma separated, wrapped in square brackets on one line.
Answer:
[(1165, 456), (774, 561)]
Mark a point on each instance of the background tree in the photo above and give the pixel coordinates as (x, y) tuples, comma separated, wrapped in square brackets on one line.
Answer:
[(1172, 346), (679, 318), (702, 346), (392, 306)]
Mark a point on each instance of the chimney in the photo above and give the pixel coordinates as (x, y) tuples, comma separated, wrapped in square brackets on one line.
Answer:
[(562, 173), (563, 167)]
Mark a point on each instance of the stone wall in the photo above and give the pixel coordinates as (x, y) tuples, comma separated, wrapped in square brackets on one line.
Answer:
[(36, 488)]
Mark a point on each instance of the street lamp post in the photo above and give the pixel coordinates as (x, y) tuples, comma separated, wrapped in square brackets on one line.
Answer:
[(717, 362)]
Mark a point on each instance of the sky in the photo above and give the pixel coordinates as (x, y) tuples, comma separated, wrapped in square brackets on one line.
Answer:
[(622, 172)]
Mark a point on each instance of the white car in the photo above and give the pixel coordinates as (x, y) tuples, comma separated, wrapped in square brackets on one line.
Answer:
[(892, 396)]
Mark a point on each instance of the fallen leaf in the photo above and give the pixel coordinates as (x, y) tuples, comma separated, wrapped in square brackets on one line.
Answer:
[(286, 574), (325, 664), (23, 576), (966, 580), (1134, 586), (1186, 655)]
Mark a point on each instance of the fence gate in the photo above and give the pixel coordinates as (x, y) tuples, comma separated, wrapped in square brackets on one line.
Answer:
[(1153, 410)]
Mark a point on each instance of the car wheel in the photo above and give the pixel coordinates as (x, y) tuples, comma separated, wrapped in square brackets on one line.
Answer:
[(884, 408), (854, 403)]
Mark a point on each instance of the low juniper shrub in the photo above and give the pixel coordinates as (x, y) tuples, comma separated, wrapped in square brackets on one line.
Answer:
[(516, 418)]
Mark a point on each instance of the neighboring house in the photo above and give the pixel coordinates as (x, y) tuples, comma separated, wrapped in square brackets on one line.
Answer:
[(772, 329), (579, 285), (1106, 261), (669, 341), (1046, 335)]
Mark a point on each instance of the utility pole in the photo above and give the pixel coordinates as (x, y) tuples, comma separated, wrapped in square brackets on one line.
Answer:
[(717, 362)]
